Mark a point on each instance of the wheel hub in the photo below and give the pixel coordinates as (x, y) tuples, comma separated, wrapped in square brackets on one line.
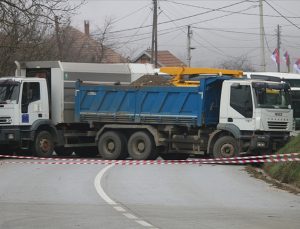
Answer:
[(45, 145), (141, 146), (111, 146), (227, 150)]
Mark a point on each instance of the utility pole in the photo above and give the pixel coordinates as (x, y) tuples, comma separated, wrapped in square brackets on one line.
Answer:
[(189, 57), (154, 35), (58, 41), (262, 37), (278, 47)]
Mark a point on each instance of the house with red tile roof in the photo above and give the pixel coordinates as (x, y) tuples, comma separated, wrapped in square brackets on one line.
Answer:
[(80, 46), (164, 59)]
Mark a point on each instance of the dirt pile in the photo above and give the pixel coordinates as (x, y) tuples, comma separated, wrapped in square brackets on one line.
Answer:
[(151, 80)]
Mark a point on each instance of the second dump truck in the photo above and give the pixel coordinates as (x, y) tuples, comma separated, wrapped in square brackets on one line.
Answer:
[(220, 116)]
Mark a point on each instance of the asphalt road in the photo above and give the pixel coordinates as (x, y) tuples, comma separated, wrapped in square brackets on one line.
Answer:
[(144, 196)]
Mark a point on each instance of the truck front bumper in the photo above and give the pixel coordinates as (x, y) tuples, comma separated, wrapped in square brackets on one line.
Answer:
[(9, 135), (269, 141)]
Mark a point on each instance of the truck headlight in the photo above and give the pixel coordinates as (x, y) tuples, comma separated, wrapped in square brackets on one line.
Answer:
[(261, 144), (10, 136)]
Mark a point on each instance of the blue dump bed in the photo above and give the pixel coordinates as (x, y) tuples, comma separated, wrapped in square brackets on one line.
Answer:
[(188, 106)]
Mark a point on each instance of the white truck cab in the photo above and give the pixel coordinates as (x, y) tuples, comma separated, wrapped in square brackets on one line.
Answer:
[(292, 79), (23, 101), (24, 109), (256, 109)]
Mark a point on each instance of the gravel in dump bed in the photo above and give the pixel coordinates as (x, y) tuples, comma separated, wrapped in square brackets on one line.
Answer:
[(151, 80)]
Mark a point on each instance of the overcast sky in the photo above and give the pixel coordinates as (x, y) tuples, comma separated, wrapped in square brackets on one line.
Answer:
[(221, 29)]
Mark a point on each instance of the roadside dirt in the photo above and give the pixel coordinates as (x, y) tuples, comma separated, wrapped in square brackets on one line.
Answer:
[(260, 174)]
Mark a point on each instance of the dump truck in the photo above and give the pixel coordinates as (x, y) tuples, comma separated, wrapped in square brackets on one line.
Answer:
[(37, 105), (218, 115)]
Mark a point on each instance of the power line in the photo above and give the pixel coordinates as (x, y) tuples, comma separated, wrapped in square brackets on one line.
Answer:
[(216, 49), (130, 14), (137, 30), (226, 11), (144, 38), (183, 26), (177, 28), (282, 15), (239, 32), (182, 18)]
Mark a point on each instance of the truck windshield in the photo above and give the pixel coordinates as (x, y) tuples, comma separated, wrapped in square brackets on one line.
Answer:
[(9, 91), (271, 96)]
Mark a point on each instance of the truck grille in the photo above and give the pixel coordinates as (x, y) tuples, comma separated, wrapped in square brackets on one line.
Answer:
[(5, 120), (277, 125)]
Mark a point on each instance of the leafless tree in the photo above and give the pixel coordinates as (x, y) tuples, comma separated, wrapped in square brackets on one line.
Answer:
[(35, 10), (27, 28), (104, 39), (238, 63)]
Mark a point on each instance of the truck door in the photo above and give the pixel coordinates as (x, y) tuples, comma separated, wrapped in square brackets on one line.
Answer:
[(31, 103), (240, 111), (44, 73)]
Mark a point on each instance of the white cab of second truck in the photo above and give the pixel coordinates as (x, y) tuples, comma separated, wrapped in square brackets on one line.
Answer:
[(293, 80)]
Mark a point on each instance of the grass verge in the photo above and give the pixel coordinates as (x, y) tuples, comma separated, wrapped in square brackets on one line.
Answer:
[(286, 172)]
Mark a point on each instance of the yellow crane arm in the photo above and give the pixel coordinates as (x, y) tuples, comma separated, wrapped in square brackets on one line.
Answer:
[(178, 72)]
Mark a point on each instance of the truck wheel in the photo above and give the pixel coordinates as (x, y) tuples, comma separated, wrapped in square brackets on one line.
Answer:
[(225, 147), (141, 146), (43, 144), (63, 151), (174, 156), (112, 146)]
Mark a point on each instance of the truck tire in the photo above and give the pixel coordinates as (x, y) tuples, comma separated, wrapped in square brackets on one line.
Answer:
[(63, 151), (112, 145), (174, 156), (225, 147), (43, 145), (141, 146)]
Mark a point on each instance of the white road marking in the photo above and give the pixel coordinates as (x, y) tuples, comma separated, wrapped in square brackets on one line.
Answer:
[(129, 216), (119, 209), (108, 200), (99, 189), (143, 223)]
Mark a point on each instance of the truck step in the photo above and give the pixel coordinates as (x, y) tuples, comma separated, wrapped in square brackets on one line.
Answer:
[(79, 145), (87, 134)]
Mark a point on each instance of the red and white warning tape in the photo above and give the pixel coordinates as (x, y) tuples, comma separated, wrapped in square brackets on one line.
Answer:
[(233, 160)]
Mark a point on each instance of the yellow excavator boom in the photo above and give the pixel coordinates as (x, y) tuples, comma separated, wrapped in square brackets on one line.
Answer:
[(179, 72)]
